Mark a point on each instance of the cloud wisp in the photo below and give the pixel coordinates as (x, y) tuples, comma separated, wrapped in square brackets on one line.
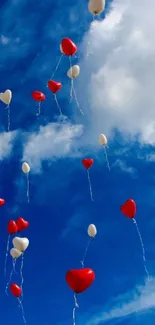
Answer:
[(141, 299), (6, 143), (51, 142)]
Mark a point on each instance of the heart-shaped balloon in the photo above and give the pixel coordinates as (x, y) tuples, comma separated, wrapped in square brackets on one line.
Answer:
[(15, 290), (21, 224), (15, 253), (87, 163), (80, 280), (129, 208), (54, 86), (38, 96), (6, 97), (2, 202), (68, 47), (20, 243), (12, 227)]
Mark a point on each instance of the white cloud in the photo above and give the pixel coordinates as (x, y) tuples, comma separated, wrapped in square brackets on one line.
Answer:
[(139, 300), (123, 167), (121, 70), (55, 140), (6, 143)]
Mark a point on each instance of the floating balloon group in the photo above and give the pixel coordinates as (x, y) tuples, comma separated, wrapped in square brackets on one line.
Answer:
[(20, 244), (81, 279)]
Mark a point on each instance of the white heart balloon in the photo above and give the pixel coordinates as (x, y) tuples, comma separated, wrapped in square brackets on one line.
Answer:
[(92, 231), (25, 167), (20, 243), (6, 97), (15, 253), (73, 72)]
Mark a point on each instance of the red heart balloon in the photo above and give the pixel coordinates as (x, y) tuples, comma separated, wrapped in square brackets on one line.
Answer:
[(87, 163), (15, 290), (129, 208), (12, 227), (54, 86), (80, 280), (68, 47), (2, 202), (38, 96), (21, 224)]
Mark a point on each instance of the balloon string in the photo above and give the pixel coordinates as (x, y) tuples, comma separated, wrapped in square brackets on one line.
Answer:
[(106, 157), (21, 274), (72, 81), (22, 309), (6, 256), (71, 90), (39, 109), (14, 265), (11, 274), (143, 249), (28, 188), (8, 110), (55, 98), (74, 309), (57, 66), (85, 252), (77, 103), (90, 187)]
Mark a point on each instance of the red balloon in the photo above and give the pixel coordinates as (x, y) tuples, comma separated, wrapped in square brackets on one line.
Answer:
[(38, 96), (12, 227), (15, 290), (54, 86), (2, 202), (68, 47), (129, 208), (87, 163), (21, 224), (80, 280)]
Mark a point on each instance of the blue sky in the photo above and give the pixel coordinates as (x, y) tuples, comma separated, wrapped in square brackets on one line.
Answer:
[(116, 92)]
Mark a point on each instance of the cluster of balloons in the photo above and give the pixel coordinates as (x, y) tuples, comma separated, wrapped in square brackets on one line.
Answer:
[(80, 279), (20, 244), (68, 48)]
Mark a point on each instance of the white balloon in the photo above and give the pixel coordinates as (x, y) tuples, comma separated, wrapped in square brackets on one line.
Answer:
[(96, 6), (6, 97), (102, 140), (15, 253), (20, 243), (25, 168), (92, 231), (73, 72)]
